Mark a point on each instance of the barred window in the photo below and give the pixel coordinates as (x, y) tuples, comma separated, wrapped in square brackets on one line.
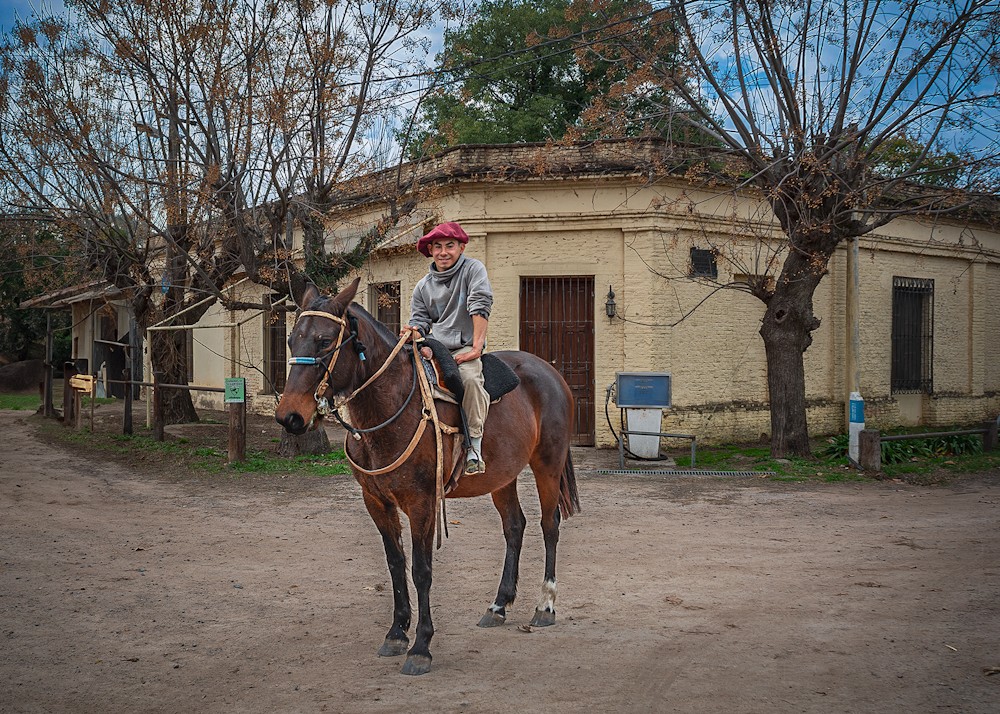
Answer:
[(703, 263), (384, 301), (912, 335), (275, 350)]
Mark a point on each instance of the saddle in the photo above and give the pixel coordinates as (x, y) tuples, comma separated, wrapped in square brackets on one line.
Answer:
[(442, 373), (446, 383)]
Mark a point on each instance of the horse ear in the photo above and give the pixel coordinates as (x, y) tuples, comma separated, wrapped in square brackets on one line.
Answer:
[(305, 295), (344, 297)]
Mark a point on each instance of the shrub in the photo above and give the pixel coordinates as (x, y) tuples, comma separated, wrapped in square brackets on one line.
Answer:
[(895, 452)]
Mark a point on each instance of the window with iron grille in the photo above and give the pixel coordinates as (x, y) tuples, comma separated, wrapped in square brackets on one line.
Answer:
[(384, 301), (912, 335), (275, 350), (703, 263)]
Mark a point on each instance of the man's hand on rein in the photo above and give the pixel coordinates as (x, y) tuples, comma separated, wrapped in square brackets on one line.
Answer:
[(409, 329), (414, 337)]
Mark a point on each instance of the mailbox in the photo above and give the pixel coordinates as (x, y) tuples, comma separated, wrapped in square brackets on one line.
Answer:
[(82, 383)]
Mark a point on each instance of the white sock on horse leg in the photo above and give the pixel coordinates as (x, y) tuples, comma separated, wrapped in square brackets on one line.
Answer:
[(548, 601)]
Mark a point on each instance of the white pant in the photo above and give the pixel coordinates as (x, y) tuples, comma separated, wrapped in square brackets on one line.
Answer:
[(476, 401)]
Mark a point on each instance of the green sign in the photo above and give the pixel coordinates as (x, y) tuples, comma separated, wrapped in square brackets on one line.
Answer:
[(236, 390)]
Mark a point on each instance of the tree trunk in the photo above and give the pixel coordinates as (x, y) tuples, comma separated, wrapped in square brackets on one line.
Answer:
[(787, 332), (786, 391), (314, 441), (314, 245), (169, 354)]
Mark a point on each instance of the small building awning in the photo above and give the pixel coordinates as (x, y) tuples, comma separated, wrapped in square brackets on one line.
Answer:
[(65, 297)]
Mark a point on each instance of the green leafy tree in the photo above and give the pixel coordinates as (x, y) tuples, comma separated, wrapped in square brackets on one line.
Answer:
[(33, 261), (513, 75), (921, 164)]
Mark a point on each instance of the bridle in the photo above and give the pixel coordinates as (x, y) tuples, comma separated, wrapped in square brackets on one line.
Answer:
[(322, 405)]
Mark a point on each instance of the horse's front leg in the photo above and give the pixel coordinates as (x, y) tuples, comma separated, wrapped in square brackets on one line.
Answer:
[(422, 522), (386, 518)]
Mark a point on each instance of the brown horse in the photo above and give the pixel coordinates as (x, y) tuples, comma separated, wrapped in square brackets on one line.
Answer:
[(530, 425)]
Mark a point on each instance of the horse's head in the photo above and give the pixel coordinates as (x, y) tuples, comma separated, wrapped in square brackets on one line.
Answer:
[(321, 367)]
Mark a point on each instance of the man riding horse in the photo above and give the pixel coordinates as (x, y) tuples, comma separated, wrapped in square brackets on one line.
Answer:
[(452, 304), (342, 355)]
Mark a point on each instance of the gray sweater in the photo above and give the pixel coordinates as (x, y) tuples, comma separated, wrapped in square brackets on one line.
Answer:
[(448, 300)]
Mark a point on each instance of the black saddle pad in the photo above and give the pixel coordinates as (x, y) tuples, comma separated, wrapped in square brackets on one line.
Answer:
[(500, 378)]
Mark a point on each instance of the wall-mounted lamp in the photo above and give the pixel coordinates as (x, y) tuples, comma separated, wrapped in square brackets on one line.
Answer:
[(609, 307)]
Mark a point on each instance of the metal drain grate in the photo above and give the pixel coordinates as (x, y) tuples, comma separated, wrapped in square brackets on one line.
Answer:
[(678, 472)]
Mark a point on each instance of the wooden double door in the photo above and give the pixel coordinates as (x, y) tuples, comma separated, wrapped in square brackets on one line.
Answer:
[(557, 324)]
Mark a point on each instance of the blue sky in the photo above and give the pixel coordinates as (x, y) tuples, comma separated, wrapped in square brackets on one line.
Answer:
[(9, 9)]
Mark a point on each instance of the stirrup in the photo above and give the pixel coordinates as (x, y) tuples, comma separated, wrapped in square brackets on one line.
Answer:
[(475, 466)]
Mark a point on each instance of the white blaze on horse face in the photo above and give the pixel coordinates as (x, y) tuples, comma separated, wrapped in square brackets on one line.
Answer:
[(548, 601)]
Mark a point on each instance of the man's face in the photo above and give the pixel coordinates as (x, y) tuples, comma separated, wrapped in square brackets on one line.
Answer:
[(445, 252)]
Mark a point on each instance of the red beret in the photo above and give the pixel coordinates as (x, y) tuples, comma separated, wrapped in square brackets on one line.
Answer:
[(443, 231)]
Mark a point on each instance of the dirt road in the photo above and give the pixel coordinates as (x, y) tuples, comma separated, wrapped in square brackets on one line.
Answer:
[(124, 592)]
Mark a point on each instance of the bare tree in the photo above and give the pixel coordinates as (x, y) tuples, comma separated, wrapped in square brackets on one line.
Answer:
[(842, 115), (177, 142), (337, 146)]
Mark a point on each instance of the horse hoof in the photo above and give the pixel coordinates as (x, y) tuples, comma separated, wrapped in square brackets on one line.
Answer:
[(492, 619), (393, 648), (417, 664), (543, 618)]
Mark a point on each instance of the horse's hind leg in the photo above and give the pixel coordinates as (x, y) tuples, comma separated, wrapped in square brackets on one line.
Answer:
[(386, 519), (545, 612), (514, 521), (548, 481)]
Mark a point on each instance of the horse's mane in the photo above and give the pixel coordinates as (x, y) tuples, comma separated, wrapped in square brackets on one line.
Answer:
[(383, 332), (379, 332)]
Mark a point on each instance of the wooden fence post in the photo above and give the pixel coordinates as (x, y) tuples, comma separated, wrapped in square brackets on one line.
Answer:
[(69, 371), (990, 437), (870, 451), (78, 408), (127, 419), (237, 431), (48, 408), (157, 407)]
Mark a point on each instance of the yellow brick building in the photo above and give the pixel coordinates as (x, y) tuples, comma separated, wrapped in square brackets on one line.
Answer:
[(553, 224)]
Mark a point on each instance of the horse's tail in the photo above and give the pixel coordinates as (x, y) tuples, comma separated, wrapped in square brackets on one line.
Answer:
[(569, 499)]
